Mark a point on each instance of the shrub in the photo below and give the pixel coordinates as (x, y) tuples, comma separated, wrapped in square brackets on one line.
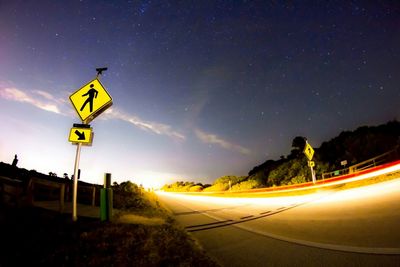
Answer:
[(196, 188), (246, 185), (298, 180), (217, 187)]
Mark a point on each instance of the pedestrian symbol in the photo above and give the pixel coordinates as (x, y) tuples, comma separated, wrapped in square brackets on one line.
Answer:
[(308, 151), (91, 100), (92, 93)]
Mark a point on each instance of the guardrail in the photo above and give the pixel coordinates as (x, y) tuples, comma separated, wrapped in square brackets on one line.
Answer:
[(376, 161), (87, 193), (16, 191), (49, 186), (12, 190)]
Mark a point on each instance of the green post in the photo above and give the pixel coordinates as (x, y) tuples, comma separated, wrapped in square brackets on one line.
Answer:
[(106, 199)]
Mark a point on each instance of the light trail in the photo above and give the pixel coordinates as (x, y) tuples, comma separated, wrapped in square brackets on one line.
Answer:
[(353, 193), (245, 201)]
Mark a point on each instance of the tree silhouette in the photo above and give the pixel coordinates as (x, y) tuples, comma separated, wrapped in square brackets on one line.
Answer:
[(298, 144)]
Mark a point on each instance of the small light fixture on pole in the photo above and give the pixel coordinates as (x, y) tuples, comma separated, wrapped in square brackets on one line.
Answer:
[(100, 71)]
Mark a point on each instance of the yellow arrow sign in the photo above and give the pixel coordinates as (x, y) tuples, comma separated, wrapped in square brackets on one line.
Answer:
[(91, 100), (81, 135), (308, 151)]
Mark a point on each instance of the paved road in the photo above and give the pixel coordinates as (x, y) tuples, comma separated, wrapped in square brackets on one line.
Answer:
[(356, 227)]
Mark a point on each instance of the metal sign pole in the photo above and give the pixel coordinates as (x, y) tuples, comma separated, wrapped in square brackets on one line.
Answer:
[(81, 100), (75, 189), (313, 175)]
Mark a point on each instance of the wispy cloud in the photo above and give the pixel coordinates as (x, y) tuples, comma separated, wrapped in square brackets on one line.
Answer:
[(214, 139), (155, 127), (44, 94), (49, 103), (46, 101)]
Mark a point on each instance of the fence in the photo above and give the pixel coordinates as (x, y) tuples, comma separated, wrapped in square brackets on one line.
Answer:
[(45, 190), (381, 159), (11, 190), (15, 191)]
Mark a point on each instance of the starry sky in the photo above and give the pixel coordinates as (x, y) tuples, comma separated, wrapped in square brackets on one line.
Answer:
[(201, 89)]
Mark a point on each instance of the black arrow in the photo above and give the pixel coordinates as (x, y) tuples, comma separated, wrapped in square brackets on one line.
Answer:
[(81, 135)]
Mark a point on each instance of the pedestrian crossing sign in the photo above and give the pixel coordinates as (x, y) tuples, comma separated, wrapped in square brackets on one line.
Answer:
[(308, 151), (90, 100)]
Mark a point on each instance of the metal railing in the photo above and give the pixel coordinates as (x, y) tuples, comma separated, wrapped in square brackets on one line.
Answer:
[(381, 159)]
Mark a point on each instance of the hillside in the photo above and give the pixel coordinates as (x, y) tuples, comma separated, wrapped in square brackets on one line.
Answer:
[(353, 146)]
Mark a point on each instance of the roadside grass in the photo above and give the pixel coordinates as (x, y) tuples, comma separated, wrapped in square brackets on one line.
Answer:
[(137, 219), (144, 235)]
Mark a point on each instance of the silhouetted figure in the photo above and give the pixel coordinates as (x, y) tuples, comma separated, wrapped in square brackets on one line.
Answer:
[(15, 161), (79, 175), (92, 94)]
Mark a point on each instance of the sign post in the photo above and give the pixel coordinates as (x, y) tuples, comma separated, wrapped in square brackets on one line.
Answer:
[(311, 164), (309, 152), (89, 102), (75, 188)]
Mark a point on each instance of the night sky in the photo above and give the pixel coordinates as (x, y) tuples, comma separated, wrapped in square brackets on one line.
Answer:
[(201, 89)]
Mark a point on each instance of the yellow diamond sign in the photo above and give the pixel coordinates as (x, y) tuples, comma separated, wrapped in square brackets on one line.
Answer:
[(308, 151), (81, 135), (91, 100)]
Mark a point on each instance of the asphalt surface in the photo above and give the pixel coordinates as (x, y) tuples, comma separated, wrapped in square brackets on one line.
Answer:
[(355, 227)]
